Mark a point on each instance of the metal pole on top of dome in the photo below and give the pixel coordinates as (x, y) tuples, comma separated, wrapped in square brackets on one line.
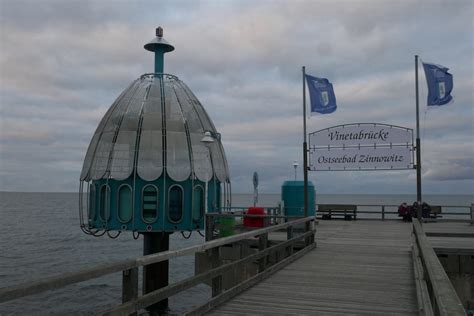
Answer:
[(159, 46)]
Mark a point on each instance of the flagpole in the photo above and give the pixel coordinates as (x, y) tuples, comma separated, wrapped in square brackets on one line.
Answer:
[(305, 148), (418, 145)]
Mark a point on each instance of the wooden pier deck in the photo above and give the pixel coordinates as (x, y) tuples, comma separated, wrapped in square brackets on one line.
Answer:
[(358, 268)]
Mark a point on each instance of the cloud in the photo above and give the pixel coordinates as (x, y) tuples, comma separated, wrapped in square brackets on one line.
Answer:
[(452, 169), (64, 63)]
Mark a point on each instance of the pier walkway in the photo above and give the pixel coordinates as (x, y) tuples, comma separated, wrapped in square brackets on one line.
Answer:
[(358, 268)]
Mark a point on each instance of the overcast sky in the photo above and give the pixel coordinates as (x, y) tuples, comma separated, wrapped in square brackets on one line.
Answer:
[(63, 63)]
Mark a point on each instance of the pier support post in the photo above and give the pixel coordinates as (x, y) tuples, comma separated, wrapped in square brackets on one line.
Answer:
[(129, 285), (289, 235), (262, 244), (214, 258), (155, 276), (209, 234)]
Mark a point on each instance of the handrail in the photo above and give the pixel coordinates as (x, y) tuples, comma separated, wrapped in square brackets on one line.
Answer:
[(61, 280), (461, 216), (470, 208), (443, 297), (389, 205), (157, 295)]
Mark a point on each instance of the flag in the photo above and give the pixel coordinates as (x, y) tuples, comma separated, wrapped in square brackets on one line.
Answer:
[(321, 94), (440, 84)]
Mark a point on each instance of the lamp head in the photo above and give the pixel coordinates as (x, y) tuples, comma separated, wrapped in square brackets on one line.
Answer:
[(207, 139)]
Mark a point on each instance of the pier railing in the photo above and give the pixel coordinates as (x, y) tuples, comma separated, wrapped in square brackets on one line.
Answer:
[(292, 248), (454, 213), (390, 211), (435, 292)]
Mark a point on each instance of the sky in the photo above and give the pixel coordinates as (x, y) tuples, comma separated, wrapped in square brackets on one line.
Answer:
[(63, 63)]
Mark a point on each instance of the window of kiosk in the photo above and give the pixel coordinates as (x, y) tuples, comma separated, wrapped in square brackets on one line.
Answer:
[(150, 203), (104, 204), (125, 203), (175, 204), (198, 203)]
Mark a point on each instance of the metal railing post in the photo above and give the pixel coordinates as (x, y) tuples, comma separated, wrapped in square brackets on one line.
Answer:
[(383, 212)]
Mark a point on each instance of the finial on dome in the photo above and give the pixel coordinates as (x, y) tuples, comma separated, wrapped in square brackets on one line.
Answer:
[(159, 46), (159, 43)]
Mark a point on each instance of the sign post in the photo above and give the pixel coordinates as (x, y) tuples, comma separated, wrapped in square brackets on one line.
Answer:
[(305, 152), (418, 144)]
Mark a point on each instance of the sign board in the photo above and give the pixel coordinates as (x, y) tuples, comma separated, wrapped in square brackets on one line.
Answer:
[(353, 158), (361, 146), (361, 134)]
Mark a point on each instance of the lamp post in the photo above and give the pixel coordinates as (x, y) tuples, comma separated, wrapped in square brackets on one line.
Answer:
[(295, 165), (207, 140)]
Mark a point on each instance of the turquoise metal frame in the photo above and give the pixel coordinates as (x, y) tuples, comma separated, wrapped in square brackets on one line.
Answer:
[(162, 222)]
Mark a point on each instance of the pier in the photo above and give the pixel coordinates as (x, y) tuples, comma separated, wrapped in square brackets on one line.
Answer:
[(358, 267), (308, 266)]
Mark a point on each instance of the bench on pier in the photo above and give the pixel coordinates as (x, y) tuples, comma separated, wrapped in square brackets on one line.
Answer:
[(327, 211), (435, 212)]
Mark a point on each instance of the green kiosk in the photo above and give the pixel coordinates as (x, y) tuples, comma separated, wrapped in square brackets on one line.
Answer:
[(292, 195)]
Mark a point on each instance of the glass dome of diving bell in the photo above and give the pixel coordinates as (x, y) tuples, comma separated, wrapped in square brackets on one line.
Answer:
[(147, 168)]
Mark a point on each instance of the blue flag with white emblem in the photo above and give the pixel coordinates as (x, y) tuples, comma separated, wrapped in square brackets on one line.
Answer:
[(321, 94), (440, 84)]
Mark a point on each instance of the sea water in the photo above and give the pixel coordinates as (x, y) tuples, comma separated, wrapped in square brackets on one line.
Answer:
[(40, 237)]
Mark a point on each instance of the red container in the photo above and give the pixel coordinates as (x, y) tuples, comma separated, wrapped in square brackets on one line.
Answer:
[(255, 221)]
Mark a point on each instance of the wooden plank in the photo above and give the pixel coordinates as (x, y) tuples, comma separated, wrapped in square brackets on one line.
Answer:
[(336, 207), (247, 284), (444, 295), (216, 243), (55, 282), (129, 285), (422, 294), (262, 244), (451, 234), (352, 271), (216, 283)]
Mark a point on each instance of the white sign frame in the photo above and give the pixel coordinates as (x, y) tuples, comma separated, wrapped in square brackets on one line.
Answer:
[(390, 143)]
